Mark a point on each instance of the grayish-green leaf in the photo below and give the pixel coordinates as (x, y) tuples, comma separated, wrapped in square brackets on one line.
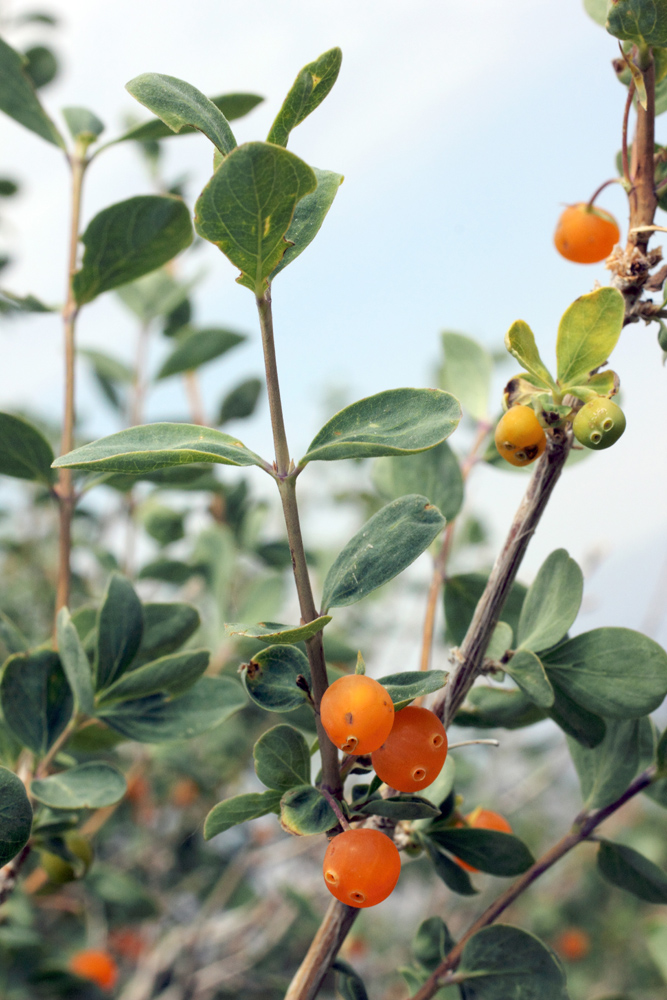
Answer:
[(174, 673), (36, 699), (129, 239), (74, 661), (248, 205), (552, 602), (83, 123), (396, 422), (24, 451), (491, 707), (232, 106), (179, 105), (431, 943), (575, 720), (630, 870), (466, 373), (462, 594), (488, 850), (304, 811), (451, 873), (401, 807), (500, 641), (270, 678), (166, 628), (309, 215), (15, 816), (157, 718), (11, 304), (277, 634), (386, 545), (307, 92), (503, 962), (642, 21), (150, 447), (434, 473), (348, 982), (241, 401), (156, 294), (588, 332), (106, 365), (119, 631), (18, 98), (607, 770), (526, 669), (282, 758), (196, 348), (614, 672), (86, 786), (11, 636), (240, 809), (405, 687)]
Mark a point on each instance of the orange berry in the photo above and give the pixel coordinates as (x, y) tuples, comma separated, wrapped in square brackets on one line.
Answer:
[(484, 819), (520, 437), (573, 944), (413, 754), (586, 234), (357, 713), (361, 867), (96, 965)]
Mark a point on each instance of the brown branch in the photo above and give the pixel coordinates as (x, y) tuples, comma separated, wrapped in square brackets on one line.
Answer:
[(10, 873), (323, 950)]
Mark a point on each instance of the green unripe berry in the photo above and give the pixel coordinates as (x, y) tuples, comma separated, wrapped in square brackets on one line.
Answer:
[(599, 424), (61, 871)]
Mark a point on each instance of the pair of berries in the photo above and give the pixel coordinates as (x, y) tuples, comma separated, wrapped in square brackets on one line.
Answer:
[(408, 749)]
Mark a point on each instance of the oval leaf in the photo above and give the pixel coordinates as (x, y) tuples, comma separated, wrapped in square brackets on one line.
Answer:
[(489, 708), (400, 807), (645, 23), (36, 699), (527, 671), (18, 98), (390, 541), (552, 602), (247, 207), (179, 105), (174, 674), (520, 342), (403, 688), (396, 422), (270, 678), (87, 786), (461, 596), (282, 758), (466, 373), (488, 850), (74, 661), (129, 239), (588, 333), (451, 873), (304, 811), (276, 633), (144, 449), (309, 215), (630, 870), (584, 726), (434, 473), (504, 961), (198, 347), (232, 106), (166, 628), (240, 809), (15, 816), (306, 93), (607, 770), (119, 629), (24, 451)]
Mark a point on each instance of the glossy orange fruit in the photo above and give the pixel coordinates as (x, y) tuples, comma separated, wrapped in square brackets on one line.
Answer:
[(586, 234), (520, 437), (413, 754), (484, 819), (573, 944), (361, 867), (357, 713), (96, 965)]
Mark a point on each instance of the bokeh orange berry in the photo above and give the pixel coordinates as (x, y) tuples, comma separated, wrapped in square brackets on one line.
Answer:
[(573, 944), (520, 437), (357, 713), (484, 819), (96, 965), (413, 754), (361, 867), (586, 234)]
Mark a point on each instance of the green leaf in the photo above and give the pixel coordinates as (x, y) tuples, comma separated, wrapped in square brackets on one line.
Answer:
[(552, 602), (488, 850), (276, 633), (282, 758), (349, 983), (500, 641), (490, 708), (196, 348), (232, 106), (270, 678), (642, 21), (630, 870), (607, 770), (158, 294), (24, 451), (614, 672), (19, 100), (157, 718), (432, 943), (396, 422), (241, 401), (597, 9), (527, 671), (386, 545), (502, 961), (304, 811), (119, 631), (400, 807), (83, 123), (163, 524), (586, 727), (179, 105), (240, 809), (309, 215), (41, 65), (520, 342), (454, 877), (403, 688), (462, 594), (107, 366), (35, 697), (247, 207), (15, 816), (174, 673), (147, 448), (466, 373), (87, 786), (10, 304), (166, 628), (74, 661), (170, 571), (307, 92), (588, 333), (11, 636), (129, 239), (435, 474)]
